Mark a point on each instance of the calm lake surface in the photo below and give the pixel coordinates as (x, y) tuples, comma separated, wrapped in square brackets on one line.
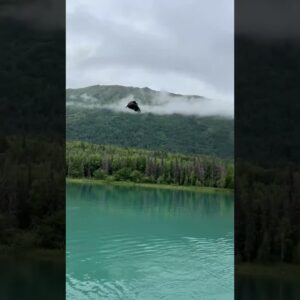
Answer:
[(137, 243)]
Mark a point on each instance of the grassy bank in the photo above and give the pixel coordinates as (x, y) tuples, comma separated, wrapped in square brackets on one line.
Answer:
[(279, 271), (149, 185)]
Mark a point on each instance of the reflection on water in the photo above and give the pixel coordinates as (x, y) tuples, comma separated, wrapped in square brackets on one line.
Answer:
[(136, 243), (31, 279), (251, 287)]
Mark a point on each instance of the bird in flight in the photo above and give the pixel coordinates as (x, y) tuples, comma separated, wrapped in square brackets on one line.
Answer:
[(134, 106)]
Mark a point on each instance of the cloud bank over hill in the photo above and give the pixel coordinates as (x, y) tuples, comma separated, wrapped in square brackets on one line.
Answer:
[(163, 103), (184, 47)]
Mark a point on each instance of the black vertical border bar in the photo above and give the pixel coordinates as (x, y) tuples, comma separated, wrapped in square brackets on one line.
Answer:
[(267, 148), (32, 149)]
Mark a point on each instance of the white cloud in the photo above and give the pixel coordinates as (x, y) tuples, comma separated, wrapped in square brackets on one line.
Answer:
[(180, 46), (161, 104)]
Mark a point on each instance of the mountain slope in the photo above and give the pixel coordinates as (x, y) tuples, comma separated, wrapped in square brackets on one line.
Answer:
[(167, 132), (109, 94)]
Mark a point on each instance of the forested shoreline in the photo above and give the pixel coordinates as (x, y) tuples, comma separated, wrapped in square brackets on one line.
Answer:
[(267, 223), (113, 163), (32, 207)]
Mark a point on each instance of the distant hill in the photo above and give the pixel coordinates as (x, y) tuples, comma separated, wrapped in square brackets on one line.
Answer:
[(91, 117), (109, 94)]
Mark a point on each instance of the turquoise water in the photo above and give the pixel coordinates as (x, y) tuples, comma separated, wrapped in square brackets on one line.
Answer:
[(138, 243)]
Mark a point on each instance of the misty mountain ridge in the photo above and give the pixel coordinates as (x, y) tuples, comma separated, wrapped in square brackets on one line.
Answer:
[(116, 97), (160, 126)]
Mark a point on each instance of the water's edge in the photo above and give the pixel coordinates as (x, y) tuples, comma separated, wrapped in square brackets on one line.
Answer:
[(149, 185)]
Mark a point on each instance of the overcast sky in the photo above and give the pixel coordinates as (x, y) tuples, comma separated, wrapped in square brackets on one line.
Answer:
[(178, 46)]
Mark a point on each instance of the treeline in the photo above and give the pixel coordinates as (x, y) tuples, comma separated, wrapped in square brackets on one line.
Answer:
[(114, 163), (267, 193), (267, 213), (32, 136), (32, 193)]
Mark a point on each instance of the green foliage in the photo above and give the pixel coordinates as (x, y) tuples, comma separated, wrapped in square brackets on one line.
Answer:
[(170, 133), (136, 176), (161, 180), (22, 239), (32, 154), (32, 206), (51, 232), (123, 174), (229, 178), (110, 178), (99, 174), (267, 218), (130, 164)]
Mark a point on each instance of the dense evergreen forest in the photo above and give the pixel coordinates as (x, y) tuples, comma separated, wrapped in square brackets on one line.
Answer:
[(267, 213), (267, 156), (32, 136), (115, 163), (32, 208), (88, 120)]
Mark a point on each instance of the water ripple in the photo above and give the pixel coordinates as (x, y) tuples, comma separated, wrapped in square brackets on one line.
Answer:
[(192, 264)]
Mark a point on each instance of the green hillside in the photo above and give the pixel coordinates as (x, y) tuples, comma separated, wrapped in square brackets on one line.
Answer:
[(169, 132)]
